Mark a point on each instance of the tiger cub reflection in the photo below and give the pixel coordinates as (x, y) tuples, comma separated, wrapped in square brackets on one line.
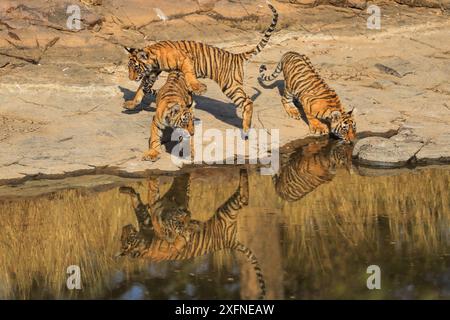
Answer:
[(309, 167), (167, 232)]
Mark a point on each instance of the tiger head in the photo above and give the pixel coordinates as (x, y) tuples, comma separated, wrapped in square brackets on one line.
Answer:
[(131, 242), (138, 66), (341, 156), (182, 117), (343, 125)]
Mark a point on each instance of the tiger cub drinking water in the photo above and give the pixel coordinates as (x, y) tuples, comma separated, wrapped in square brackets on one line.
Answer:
[(320, 103), (174, 108)]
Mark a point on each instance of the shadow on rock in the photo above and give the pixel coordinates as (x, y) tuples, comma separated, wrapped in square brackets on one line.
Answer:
[(225, 112), (143, 106)]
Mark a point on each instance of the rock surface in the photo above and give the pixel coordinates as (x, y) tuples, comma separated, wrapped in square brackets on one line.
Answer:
[(385, 152), (61, 90)]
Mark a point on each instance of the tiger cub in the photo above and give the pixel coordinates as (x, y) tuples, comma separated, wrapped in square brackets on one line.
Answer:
[(320, 103), (197, 60), (167, 232), (311, 166), (174, 108)]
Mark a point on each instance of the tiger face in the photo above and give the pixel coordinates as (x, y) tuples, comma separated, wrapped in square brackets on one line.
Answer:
[(129, 242), (182, 118), (137, 68), (341, 156), (343, 126)]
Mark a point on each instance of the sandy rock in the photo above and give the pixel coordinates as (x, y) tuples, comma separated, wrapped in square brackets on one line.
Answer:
[(207, 5), (445, 4), (380, 151), (437, 150), (360, 4), (64, 115), (92, 2)]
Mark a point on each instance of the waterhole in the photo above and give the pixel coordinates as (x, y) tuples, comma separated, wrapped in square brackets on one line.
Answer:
[(310, 232)]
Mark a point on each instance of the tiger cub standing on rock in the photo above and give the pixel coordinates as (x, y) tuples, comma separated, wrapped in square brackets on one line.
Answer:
[(196, 60), (174, 108), (320, 103)]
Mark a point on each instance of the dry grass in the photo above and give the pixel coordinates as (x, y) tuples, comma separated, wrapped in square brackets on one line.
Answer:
[(412, 209), (41, 238)]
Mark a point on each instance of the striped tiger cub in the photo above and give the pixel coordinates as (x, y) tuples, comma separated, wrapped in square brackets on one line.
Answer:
[(174, 108), (320, 103), (309, 167), (167, 232), (197, 60)]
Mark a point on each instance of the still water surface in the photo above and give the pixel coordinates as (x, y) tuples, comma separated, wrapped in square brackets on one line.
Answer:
[(230, 233)]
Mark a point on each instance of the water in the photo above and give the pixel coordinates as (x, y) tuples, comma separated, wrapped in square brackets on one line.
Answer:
[(313, 230)]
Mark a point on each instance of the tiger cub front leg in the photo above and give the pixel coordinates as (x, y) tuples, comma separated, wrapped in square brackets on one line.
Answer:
[(154, 152), (132, 104), (187, 67), (312, 109), (144, 89), (316, 126)]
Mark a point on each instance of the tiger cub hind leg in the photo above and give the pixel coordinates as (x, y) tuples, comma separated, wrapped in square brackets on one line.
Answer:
[(242, 101)]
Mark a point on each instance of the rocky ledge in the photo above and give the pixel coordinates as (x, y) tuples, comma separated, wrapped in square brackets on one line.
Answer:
[(61, 91)]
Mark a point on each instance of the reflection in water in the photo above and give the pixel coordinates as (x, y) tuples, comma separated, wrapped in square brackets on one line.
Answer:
[(309, 167), (167, 232), (315, 228)]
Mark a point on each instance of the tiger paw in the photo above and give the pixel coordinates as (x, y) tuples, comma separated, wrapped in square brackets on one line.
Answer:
[(244, 134), (198, 88), (317, 127), (294, 114), (151, 156), (129, 105), (319, 130)]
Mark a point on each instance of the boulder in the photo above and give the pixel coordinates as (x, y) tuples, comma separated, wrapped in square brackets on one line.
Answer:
[(379, 151)]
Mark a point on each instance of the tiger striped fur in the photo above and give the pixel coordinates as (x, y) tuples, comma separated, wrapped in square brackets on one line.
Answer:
[(310, 167), (174, 108), (198, 60), (167, 232), (320, 103)]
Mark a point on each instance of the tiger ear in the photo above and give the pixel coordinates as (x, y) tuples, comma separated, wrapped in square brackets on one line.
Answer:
[(335, 115), (352, 111), (175, 109), (142, 55), (129, 50)]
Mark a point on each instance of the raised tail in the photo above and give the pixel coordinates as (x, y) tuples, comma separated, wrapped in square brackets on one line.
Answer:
[(267, 34), (252, 259), (276, 72)]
